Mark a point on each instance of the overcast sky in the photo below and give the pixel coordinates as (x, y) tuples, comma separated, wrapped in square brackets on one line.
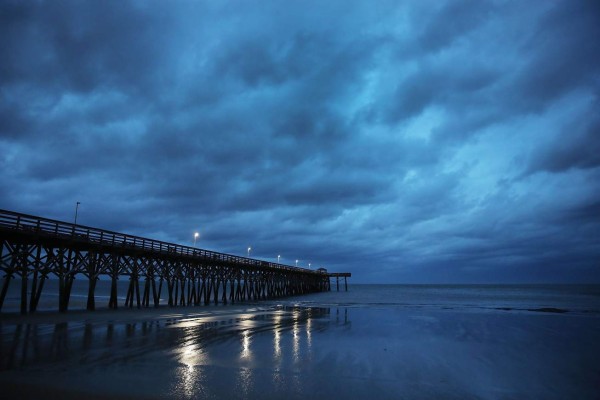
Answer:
[(402, 141)]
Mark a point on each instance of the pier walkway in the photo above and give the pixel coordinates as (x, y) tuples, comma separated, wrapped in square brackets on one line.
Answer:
[(34, 249)]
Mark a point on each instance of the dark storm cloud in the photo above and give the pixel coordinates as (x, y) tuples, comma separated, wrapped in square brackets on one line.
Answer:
[(454, 20), (578, 147), (440, 84), (565, 53), (80, 46), (419, 141)]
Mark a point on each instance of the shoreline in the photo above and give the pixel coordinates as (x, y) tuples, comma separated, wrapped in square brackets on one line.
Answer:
[(124, 314)]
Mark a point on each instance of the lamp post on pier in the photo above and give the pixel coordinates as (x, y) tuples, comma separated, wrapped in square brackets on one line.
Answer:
[(278, 258), (76, 209), (296, 263), (195, 238), (249, 249)]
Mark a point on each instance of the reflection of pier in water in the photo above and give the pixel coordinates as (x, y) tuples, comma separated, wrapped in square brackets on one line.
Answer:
[(281, 336), (34, 249)]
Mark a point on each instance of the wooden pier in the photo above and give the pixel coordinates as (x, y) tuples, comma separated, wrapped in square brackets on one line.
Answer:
[(34, 249)]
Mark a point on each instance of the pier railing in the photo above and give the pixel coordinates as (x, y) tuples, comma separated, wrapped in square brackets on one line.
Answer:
[(48, 227)]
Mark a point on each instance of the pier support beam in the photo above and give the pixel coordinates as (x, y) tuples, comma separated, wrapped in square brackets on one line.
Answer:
[(112, 301), (22, 254)]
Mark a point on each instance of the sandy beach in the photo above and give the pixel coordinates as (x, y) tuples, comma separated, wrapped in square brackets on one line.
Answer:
[(274, 351)]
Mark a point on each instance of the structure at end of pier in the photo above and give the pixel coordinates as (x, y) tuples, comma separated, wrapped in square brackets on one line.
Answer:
[(337, 276)]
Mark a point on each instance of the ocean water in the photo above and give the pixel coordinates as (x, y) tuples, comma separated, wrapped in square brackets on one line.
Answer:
[(562, 298), (574, 299), (374, 341)]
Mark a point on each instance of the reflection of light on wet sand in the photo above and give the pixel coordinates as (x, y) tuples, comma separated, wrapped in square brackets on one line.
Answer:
[(296, 382), (245, 381), (190, 376), (296, 337), (188, 379), (246, 352), (308, 333), (277, 344), (277, 337), (191, 355)]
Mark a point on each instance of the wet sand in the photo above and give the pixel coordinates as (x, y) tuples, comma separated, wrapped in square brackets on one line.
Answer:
[(271, 352)]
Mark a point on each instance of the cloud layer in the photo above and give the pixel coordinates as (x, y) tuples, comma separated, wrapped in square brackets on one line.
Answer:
[(424, 141)]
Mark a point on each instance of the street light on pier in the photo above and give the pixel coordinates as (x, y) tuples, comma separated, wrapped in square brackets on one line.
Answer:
[(296, 263), (249, 249), (195, 238), (278, 258), (308, 265), (76, 209)]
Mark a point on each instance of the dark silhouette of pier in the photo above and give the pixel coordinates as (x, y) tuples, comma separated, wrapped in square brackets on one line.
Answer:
[(33, 249)]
